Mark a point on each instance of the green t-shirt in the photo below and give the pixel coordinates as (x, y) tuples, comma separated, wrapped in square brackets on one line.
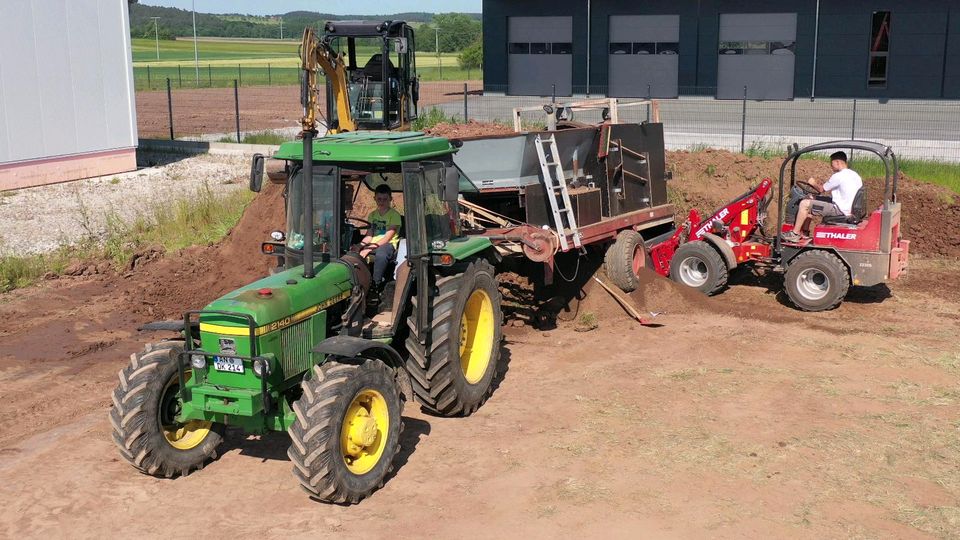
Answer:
[(380, 223)]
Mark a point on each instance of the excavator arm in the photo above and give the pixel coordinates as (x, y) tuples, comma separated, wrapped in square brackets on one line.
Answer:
[(316, 55)]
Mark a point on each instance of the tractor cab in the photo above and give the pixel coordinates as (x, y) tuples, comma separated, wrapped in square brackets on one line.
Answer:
[(417, 167), (380, 66)]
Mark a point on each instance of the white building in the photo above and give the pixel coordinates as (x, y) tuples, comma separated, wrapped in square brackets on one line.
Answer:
[(66, 91)]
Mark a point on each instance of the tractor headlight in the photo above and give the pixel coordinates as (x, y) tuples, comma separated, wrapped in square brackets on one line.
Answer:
[(198, 361), (261, 367)]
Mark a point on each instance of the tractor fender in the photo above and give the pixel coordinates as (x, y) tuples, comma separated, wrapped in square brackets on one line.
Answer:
[(725, 250), (352, 347)]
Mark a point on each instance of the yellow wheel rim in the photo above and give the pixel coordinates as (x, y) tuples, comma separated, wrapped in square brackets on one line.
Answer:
[(363, 435), (180, 435), (476, 336)]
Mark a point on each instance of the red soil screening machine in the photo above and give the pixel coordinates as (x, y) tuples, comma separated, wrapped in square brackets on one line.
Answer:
[(859, 249)]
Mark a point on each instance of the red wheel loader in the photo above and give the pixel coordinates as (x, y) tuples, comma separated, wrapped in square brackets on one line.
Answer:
[(860, 249)]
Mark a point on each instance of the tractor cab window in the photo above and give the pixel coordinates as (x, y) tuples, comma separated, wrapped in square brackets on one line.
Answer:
[(431, 220), (324, 215)]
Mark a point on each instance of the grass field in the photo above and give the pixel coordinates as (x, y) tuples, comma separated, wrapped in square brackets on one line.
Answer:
[(250, 62)]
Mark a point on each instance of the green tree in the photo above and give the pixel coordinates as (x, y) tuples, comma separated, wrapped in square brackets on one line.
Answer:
[(472, 56), (457, 31)]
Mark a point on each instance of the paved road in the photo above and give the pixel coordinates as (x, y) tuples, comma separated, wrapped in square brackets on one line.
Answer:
[(924, 129)]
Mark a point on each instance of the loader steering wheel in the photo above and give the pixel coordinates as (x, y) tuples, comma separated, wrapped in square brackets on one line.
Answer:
[(807, 187)]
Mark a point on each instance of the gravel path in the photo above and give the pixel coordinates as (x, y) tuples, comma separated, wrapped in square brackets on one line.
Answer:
[(40, 219)]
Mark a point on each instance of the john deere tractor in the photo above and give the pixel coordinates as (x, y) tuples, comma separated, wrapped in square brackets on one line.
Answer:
[(305, 351)]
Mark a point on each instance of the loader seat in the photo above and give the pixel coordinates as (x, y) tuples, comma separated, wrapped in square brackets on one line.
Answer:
[(858, 211)]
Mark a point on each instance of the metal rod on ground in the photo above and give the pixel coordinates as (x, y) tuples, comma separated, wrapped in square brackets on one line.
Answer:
[(236, 102), (465, 117), (743, 123), (170, 107)]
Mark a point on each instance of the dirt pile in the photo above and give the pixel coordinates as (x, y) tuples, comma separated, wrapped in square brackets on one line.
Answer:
[(709, 179), (469, 129)]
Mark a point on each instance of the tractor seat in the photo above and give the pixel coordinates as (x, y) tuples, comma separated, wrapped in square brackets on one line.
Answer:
[(858, 211)]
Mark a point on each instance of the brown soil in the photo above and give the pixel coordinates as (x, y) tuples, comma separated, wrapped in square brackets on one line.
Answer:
[(470, 129), (199, 111), (734, 416)]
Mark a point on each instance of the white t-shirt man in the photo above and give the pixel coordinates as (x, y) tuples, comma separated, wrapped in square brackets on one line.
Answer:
[(843, 187)]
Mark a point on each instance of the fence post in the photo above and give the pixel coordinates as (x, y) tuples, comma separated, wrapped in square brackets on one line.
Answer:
[(743, 123), (149, 84), (269, 75), (853, 127), (236, 103), (239, 74), (465, 117), (210, 75), (179, 77), (170, 107), (553, 93)]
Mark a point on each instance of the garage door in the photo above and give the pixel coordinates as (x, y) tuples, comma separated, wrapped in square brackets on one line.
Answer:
[(644, 55), (540, 55), (756, 51)]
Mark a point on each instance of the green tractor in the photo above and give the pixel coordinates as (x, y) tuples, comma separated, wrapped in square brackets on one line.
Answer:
[(304, 351)]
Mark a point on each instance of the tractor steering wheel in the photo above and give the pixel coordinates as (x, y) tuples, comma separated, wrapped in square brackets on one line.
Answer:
[(366, 224), (807, 187)]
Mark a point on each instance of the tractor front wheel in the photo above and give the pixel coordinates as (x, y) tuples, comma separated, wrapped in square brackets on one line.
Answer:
[(456, 375), (816, 280), (145, 406), (347, 430), (699, 266)]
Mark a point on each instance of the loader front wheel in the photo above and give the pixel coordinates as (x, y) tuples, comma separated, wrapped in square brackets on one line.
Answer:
[(699, 266), (145, 406), (347, 430), (456, 375), (816, 280)]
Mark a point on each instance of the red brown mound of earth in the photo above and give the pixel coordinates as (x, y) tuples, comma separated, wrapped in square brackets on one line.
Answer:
[(470, 129)]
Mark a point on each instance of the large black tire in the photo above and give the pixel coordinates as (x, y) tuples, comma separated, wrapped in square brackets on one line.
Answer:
[(340, 402), (457, 374), (624, 259), (816, 280), (144, 405), (699, 266)]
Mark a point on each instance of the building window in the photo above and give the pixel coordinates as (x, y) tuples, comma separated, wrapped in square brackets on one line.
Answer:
[(645, 48), (540, 48), (619, 48), (757, 47), (879, 50)]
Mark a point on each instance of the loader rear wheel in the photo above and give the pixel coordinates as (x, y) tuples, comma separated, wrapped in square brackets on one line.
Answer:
[(457, 374), (699, 266), (816, 280), (624, 260), (145, 406), (347, 430)]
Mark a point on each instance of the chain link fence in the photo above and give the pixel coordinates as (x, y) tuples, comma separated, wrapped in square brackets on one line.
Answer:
[(917, 129)]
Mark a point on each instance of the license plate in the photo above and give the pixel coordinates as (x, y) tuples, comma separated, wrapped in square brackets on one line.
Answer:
[(233, 365)]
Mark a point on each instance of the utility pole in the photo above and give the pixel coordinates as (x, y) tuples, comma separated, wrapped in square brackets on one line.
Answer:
[(439, 65), (196, 57), (156, 34)]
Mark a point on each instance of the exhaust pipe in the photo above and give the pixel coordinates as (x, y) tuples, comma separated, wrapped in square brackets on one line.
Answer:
[(308, 271)]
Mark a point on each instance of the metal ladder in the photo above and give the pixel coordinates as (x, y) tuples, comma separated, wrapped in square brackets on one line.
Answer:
[(553, 179)]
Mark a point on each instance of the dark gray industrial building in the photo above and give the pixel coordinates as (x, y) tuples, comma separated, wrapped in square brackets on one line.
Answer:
[(776, 49)]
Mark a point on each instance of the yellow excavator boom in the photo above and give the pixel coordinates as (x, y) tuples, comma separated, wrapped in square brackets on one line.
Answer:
[(316, 55)]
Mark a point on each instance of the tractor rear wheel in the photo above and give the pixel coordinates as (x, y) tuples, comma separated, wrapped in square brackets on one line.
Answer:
[(816, 280), (145, 406), (347, 430), (624, 260), (699, 266), (456, 375)]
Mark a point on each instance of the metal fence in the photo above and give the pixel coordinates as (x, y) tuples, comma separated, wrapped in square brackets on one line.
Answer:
[(918, 129)]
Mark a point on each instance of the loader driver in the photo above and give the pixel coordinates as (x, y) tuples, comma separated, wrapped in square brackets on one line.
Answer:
[(843, 187), (382, 238)]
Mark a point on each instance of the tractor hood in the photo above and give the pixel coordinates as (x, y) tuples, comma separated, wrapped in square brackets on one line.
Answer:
[(278, 301)]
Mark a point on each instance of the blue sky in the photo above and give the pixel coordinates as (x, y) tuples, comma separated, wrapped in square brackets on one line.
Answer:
[(337, 7)]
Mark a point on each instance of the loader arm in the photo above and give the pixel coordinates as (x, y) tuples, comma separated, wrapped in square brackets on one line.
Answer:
[(316, 55)]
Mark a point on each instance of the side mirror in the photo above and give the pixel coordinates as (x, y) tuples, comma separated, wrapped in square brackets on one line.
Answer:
[(451, 184), (256, 173)]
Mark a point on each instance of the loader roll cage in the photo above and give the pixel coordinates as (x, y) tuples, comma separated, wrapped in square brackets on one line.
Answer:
[(891, 167)]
